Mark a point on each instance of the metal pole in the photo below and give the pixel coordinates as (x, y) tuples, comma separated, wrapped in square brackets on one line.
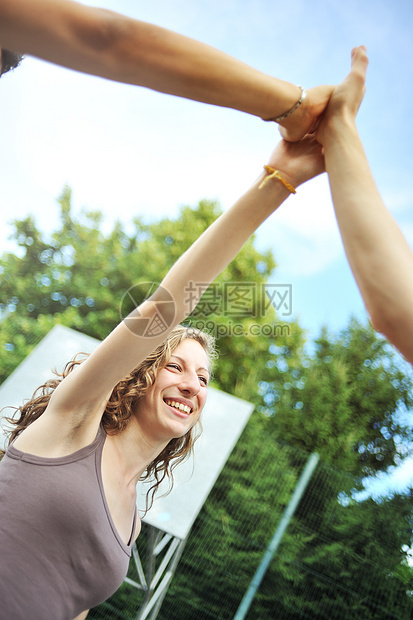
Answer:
[(154, 536), (155, 592), (168, 576), (276, 539)]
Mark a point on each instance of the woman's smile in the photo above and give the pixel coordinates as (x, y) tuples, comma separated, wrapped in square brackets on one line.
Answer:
[(179, 406)]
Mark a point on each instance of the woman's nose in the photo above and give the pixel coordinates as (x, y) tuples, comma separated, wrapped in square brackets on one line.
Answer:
[(190, 384)]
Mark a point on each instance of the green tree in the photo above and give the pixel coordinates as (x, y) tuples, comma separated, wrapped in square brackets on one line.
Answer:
[(78, 276), (346, 404), (343, 401), (346, 401)]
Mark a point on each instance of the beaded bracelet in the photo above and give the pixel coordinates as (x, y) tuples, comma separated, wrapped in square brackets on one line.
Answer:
[(277, 119), (276, 174)]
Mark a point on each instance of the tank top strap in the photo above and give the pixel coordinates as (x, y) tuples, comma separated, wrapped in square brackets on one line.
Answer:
[(135, 515), (98, 460)]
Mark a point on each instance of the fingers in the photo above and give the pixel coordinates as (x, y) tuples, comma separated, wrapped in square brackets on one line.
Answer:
[(297, 134), (293, 133), (346, 96), (354, 85), (359, 55), (306, 118), (359, 61)]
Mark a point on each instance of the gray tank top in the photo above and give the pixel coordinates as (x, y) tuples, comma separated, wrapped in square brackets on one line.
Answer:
[(60, 552)]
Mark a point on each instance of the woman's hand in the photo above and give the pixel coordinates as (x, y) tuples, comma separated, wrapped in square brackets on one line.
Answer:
[(347, 96), (306, 117), (298, 161)]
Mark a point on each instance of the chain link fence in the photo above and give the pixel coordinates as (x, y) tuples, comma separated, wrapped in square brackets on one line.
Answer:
[(339, 558)]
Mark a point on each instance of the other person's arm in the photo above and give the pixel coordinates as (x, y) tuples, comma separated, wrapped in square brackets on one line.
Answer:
[(378, 253), (113, 46)]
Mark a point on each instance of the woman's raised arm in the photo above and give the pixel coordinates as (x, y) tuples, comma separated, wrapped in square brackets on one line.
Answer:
[(87, 387)]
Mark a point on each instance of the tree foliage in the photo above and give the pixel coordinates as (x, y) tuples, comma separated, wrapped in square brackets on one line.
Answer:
[(78, 275), (340, 558), (346, 400)]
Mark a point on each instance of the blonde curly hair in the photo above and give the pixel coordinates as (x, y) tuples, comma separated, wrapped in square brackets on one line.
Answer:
[(123, 401)]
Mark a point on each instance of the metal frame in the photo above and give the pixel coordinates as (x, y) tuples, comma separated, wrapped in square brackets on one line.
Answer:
[(163, 554)]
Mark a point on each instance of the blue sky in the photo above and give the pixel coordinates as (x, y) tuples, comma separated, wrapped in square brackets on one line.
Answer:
[(128, 151)]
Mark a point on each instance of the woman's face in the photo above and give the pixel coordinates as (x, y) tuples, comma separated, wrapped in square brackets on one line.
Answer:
[(174, 403)]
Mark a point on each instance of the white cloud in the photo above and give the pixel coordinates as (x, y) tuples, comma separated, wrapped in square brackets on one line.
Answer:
[(304, 234), (129, 151)]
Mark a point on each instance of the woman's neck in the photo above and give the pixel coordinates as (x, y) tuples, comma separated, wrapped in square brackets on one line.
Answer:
[(133, 451)]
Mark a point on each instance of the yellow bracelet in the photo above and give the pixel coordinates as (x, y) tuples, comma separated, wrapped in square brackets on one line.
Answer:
[(276, 174)]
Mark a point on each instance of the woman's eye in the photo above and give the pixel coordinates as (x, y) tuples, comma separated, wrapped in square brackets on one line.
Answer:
[(173, 366), (203, 380)]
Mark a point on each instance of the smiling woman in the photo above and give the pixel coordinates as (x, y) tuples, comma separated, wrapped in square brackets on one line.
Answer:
[(181, 366), (126, 413)]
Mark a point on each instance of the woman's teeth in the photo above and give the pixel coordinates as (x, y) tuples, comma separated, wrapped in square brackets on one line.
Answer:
[(179, 406)]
